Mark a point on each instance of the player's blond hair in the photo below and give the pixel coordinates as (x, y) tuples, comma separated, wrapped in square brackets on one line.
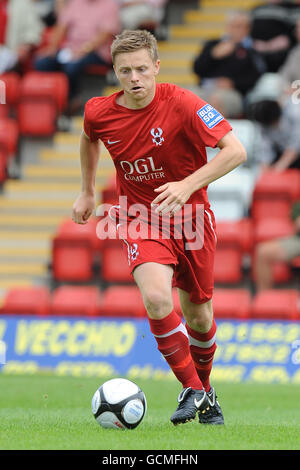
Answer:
[(130, 41)]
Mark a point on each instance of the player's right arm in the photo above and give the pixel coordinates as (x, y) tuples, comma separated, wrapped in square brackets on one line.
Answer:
[(85, 203)]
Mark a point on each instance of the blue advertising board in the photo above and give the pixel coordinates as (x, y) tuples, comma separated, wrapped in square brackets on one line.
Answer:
[(247, 350)]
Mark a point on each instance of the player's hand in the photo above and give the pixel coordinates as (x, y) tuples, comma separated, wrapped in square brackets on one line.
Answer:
[(172, 197), (83, 208)]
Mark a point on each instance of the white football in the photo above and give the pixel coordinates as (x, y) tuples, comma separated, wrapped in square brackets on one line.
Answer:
[(119, 404)]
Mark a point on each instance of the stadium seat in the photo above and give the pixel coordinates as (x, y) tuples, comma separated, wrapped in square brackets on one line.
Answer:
[(232, 303), (122, 301), (46, 85), (271, 228), (237, 234), (44, 95), (114, 265), (27, 301), (296, 262), (274, 193), (276, 305), (3, 166), (4, 111), (75, 301), (74, 250), (228, 265), (9, 136)]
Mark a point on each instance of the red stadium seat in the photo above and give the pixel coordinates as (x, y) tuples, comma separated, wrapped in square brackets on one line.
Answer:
[(4, 110), (43, 96), (9, 136), (74, 249), (114, 264), (122, 301), (46, 85), (232, 303), (76, 301), (30, 125), (238, 234), (27, 301), (296, 262), (271, 228), (276, 305), (3, 166), (272, 183), (274, 193), (228, 265)]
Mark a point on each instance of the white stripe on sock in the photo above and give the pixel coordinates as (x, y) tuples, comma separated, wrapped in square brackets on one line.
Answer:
[(180, 328), (202, 344)]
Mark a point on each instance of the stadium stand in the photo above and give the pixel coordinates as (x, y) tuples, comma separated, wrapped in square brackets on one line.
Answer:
[(50, 266)]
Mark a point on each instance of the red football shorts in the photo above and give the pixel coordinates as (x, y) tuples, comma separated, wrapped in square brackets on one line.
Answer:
[(193, 268)]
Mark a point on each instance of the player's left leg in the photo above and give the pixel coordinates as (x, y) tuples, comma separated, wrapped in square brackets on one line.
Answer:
[(201, 328)]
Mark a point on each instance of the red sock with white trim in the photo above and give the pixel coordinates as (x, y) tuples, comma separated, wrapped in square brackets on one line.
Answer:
[(173, 343), (203, 346)]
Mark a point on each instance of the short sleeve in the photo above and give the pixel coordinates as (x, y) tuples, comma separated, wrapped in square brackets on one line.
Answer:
[(89, 120), (202, 122)]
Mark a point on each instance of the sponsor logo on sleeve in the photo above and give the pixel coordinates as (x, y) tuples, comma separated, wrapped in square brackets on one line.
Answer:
[(210, 116)]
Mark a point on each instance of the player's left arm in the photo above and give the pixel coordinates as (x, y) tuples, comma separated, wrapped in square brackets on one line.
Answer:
[(173, 195)]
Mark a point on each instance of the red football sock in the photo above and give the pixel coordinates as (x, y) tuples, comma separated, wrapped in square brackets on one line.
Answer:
[(173, 343), (203, 346)]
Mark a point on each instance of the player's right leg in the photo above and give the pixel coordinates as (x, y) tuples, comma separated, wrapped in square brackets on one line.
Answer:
[(155, 283)]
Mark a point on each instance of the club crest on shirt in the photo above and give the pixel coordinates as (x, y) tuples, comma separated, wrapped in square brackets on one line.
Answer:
[(209, 115), (157, 136)]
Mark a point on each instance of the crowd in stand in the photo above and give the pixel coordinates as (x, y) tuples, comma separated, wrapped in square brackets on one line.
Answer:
[(69, 35), (253, 72)]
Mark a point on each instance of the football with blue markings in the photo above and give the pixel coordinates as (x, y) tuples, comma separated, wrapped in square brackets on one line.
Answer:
[(119, 404)]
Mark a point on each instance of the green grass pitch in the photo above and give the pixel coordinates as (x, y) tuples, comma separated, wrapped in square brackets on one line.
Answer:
[(51, 412)]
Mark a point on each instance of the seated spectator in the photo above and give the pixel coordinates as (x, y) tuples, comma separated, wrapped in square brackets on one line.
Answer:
[(277, 250), (230, 62), (142, 14), (21, 31), (228, 102), (290, 71), (279, 143), (82, 36), (272, 31)]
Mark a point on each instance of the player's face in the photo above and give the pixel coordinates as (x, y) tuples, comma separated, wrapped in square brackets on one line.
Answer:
[(136, 72)]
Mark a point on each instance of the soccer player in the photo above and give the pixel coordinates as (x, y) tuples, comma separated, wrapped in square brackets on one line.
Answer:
[(156, 135)]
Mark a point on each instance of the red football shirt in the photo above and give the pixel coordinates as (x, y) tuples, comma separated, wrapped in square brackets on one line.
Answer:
[(163, 142)]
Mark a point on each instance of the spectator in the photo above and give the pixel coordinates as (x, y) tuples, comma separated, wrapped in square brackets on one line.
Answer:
[(272, 31), (277, 250), (228, 102), (230, 62), (290, 71), (21, 30), (142, 14), (81, 37), (279, 143)]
